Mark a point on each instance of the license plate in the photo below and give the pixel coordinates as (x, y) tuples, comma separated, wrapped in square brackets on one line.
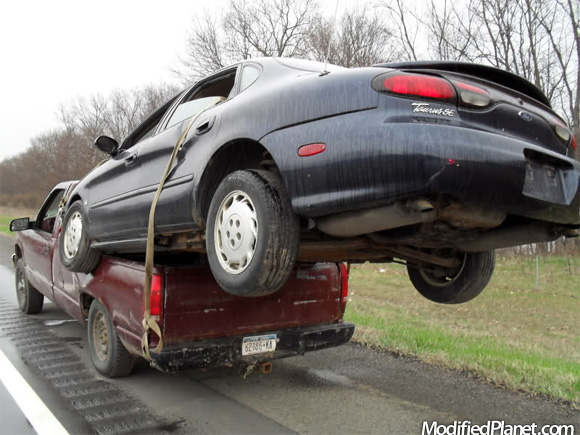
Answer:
[(549, 182), (259, 344)]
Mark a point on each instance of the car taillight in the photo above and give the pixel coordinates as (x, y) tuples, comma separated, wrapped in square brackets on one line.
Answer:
[(343, 286), (564, 134), (156, 296), (414, 85), (473, 95)]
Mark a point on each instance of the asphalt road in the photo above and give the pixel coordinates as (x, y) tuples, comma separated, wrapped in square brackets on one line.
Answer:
[(345, 390)]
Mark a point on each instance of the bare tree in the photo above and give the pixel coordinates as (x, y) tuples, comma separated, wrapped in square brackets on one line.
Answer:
[(205, 50), (67, 153), (536, 39), (248, 28), (360, 39), (404, 25)]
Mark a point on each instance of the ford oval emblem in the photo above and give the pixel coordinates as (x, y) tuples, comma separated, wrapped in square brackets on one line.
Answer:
[(525, 116)]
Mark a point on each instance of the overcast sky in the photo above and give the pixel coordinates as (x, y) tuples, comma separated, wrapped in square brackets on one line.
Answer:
[(53, 51)]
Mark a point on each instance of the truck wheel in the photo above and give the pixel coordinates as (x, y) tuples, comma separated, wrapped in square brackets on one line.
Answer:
[(458, 286), (109, 356), (252, 234), (74, 245), (30, 300)]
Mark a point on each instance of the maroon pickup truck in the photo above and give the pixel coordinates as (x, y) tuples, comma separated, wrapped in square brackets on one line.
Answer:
[(201, 325)]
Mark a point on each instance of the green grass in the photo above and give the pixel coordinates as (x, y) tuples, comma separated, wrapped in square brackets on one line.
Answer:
[(513, 334), (7, 214), (5, 224)]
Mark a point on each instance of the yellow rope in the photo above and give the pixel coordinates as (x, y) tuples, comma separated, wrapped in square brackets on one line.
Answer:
[(149, 323)]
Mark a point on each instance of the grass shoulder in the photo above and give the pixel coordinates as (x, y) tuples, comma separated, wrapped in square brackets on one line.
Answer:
[(514, 334)]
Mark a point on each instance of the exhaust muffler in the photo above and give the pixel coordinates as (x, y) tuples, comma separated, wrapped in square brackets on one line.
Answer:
[(358, 222)]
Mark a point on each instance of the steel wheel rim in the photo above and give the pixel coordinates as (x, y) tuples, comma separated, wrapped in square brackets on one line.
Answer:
[(236, 232), (21, 288), (100, 336), (442, 280), (73, 235)]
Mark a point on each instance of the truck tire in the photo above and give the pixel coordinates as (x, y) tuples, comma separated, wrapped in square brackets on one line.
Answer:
[(108, 353), (30, 300), (252, 234), (459, 287), (74, 245)]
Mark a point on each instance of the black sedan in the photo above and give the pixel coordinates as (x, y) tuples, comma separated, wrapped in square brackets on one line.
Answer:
[(275, 160)]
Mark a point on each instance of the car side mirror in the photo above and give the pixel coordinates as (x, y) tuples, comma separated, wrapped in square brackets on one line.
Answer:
[(107, 144), (20, 224)]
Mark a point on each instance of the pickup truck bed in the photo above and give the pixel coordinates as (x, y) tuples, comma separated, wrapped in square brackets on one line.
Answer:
[(201, 325)]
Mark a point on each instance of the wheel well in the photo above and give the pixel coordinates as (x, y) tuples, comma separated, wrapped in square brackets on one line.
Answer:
[(86, 300), (234, 156), (73, 199)]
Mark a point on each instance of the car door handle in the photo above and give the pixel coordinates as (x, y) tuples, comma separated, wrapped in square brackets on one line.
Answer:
[(131, 159), (205, 126)]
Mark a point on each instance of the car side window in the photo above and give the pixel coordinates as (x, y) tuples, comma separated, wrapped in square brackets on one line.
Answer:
[(189, 109), (148, 133), (49, 212), (202, 96), (250, 74)]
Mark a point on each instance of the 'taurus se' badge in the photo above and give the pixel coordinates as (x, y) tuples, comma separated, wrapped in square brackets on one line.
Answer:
[(426, 108)]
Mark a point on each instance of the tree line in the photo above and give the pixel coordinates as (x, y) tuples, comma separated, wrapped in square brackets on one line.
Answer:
[(536, 39)]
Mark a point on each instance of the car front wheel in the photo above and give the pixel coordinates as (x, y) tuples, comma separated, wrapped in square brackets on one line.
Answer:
[(74, 245), (252, 234), (455, 286), (30, 300)]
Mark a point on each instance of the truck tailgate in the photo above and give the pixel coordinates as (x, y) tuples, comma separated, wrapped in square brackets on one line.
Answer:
[(197, 308)]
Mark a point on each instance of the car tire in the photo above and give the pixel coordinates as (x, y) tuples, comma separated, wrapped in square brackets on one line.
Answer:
[(74, 247), (252, 234), (462, 286), (30, 300), (108, 353)]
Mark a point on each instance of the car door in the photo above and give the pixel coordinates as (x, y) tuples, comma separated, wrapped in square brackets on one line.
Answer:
[(123, 212), (41, 244)]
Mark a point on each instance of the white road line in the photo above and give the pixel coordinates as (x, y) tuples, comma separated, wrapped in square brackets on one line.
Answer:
[(39, 416)]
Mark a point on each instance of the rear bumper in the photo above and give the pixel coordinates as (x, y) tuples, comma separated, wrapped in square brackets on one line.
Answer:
[(227, 351), (371, 161)]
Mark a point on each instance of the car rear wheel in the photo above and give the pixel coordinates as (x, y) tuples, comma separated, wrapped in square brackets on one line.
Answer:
[(30, 300), (74, 246), (109, 356), (455, 286), (252, 234)]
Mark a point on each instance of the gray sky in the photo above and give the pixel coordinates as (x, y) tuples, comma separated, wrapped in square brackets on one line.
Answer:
[(54, 51)]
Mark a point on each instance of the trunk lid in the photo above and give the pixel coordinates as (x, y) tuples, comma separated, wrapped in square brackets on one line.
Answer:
[(518, 109)]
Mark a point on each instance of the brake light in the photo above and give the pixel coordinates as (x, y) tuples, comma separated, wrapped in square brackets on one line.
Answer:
[(473, 95), (415, 85), (574, 143), (156, 296), (343, 286)]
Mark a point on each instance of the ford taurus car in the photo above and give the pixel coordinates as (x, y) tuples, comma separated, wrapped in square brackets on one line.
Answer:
[(432, 164)]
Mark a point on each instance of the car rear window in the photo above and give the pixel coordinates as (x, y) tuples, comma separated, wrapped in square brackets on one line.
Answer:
[(307, 65)]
